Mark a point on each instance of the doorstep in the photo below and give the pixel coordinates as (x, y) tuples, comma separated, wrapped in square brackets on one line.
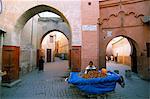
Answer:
[(11, 84)]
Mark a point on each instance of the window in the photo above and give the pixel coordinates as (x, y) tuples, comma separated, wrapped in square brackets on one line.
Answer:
[(51, 39)]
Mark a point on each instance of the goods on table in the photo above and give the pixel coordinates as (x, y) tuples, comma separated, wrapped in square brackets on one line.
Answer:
[(95, 74), (96, 85)]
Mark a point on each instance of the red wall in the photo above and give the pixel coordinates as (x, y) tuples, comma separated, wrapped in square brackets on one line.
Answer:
[(126, 21), (90, 48)]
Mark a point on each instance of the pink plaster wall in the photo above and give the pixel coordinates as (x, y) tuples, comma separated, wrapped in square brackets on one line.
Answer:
[(89, 14)]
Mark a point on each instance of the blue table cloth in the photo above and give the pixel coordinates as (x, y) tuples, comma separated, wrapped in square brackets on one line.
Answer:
[(94, 85)]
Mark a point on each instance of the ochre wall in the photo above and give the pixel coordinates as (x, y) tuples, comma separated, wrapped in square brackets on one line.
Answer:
[(123, 48), (63, 44)]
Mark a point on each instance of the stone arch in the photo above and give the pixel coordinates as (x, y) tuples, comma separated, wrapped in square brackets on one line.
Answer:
[(112, 24), (28, 14), (131, 41), (35, 10), (52, 31), (60, 26), (66, 38), (135, 50), (123, 33)]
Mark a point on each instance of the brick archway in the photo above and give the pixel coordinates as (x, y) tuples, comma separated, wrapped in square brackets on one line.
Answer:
[(126, 22), (119, 32), (130, 39), (134, 54)]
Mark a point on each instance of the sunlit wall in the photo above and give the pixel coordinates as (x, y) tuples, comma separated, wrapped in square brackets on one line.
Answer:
[(121, 48)]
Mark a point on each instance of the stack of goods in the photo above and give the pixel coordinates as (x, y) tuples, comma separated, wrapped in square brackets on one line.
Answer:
[(95, 74)]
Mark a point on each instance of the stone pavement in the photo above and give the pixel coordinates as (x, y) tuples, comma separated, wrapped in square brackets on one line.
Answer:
[(51, 85), (43, 85), (135, 87)]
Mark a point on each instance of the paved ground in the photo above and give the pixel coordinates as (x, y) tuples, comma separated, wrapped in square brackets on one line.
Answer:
[(135, 88), (50, 85)]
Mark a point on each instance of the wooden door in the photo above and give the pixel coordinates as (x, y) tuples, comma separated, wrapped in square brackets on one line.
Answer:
[(148, 49), (134, 59), (10, 63), (76, 58), (49, 51)]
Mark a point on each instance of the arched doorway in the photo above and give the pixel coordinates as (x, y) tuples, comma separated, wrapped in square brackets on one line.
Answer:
[(35, 10), (55, 45), (55, 50), (122, 50), (30, 35), (47, 21), (115, 24)]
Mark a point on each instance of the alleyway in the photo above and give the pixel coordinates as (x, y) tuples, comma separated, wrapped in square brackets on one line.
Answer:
[(42, 85), (51, 85)]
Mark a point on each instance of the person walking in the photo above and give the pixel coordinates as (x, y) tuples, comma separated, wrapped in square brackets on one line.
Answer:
[(41, 64)]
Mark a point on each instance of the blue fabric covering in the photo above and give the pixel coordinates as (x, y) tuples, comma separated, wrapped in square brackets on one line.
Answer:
[(94, 85)]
